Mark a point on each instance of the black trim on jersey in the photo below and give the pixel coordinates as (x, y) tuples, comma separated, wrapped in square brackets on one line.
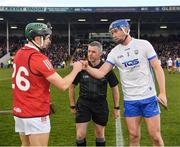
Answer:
[(30, 67)]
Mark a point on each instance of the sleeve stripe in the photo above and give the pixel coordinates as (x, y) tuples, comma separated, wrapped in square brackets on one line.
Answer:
[(110, 62), (49, 63), (46, 62), (152, 57)]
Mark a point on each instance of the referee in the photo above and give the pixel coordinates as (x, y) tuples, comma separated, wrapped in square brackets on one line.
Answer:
[(92, 103)]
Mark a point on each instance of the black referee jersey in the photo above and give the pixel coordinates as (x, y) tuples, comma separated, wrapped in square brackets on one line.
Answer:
[(94, 89)]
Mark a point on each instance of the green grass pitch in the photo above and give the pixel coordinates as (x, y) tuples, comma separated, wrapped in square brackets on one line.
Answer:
[(63, 124)]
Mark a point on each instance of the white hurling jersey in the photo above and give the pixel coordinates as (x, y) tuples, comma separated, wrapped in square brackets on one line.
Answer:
[(134, 67)]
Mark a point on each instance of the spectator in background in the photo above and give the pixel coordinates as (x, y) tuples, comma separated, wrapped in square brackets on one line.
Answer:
[(178, 65), (169, 65), (2, 65)]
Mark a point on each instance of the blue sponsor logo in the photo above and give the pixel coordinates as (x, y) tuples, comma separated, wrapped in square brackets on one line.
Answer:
[(131, 62)]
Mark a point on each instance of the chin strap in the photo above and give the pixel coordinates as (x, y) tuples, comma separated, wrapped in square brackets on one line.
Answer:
[(125, 38), (126, 33), (42, 43)]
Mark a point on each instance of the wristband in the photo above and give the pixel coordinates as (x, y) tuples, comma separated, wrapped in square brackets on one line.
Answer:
[(72, 107), (116, 107)]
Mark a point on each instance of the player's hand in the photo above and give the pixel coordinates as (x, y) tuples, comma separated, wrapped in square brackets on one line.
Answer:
[(52, 109), (84, 64), (73, 111), (163, 100), (116, 113), (77, 66)]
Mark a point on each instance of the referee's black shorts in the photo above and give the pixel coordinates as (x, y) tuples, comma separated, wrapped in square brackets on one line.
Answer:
[(97, 111)]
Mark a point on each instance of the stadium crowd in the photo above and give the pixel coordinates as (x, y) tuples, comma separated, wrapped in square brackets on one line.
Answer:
[(166, 47)]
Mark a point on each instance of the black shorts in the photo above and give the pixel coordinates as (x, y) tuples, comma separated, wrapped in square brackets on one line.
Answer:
[(97, 111)]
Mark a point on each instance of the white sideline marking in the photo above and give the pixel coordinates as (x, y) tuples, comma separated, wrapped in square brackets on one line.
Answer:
[(119, 135), (6, 112)]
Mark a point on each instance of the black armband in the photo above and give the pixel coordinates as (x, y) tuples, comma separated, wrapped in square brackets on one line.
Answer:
[(116, 107), (72, 107)]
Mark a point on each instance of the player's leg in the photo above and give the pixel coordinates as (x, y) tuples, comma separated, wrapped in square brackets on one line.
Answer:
[(133, 117), (20, 128), (39, 139), (153, 126), (99, 133), (24, 139), (173, 69), (151, 113), (168, 69), (100, 113), (38, 130), (81, 129), (133, 125), (83, 116)]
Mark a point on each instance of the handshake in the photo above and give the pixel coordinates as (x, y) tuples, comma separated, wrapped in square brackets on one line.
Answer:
[(80, 65)]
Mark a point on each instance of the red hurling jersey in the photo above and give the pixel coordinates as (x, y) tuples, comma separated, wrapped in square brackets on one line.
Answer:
[(31, 94)]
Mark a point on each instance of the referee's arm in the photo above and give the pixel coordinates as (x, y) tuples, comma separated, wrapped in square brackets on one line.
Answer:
[(115, 94), (72, 98)]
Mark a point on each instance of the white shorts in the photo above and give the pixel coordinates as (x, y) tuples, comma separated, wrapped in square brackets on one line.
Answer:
[(36, 125)]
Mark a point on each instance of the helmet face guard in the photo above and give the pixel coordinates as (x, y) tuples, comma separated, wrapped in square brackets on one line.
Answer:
[(120, 24), (37, 29)]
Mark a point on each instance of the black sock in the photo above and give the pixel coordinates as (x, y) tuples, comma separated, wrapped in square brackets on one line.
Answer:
[(100, 142), (81, 142)]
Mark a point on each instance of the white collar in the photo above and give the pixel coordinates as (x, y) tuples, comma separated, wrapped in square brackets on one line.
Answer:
[(31, 46)]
